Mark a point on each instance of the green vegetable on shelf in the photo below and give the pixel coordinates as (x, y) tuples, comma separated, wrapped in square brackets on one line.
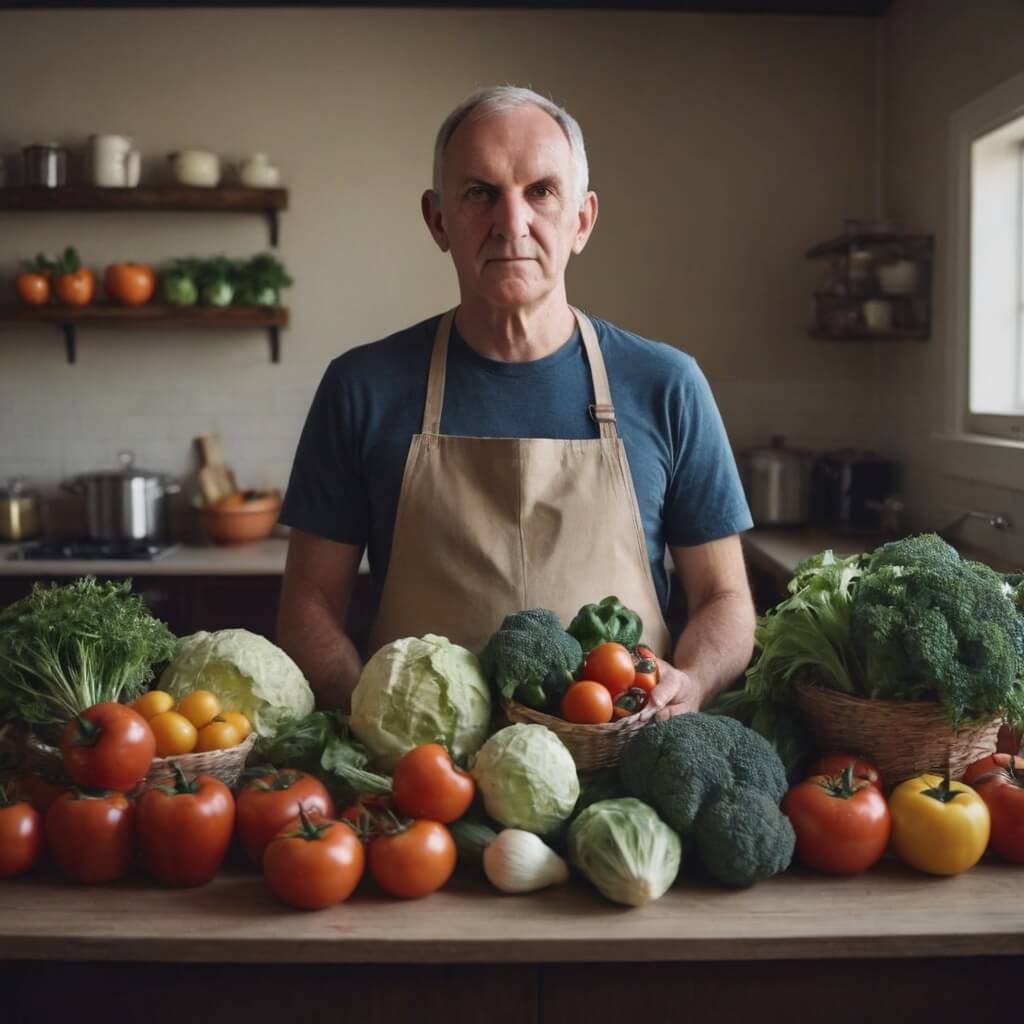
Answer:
[(608, 621)]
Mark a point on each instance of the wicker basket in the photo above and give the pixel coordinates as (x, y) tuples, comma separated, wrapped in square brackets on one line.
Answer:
[(225, 765), (591, 746), (902, 738)]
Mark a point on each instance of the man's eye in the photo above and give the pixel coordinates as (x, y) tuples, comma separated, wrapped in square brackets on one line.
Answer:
[(476, 192), (543, 191)]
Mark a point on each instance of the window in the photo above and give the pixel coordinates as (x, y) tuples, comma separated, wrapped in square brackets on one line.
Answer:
[(983, 438)]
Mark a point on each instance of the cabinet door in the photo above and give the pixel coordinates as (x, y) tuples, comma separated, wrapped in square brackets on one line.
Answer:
[(234, 602)]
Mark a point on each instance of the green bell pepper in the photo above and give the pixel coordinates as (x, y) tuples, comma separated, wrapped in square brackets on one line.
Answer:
[(609, 621)]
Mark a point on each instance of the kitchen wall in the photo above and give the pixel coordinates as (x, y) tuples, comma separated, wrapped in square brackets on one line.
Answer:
[(938, 55), (721, 148)]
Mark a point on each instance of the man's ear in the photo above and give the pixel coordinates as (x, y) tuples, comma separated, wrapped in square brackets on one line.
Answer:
[(430, 205), (585, 225)]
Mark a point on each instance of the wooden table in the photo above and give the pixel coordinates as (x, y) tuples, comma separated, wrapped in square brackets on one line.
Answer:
[(890, 945)]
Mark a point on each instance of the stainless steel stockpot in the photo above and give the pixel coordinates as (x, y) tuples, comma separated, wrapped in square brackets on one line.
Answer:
[(126, 503)]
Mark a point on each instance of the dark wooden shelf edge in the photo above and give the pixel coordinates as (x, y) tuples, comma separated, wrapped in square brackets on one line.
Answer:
[(156, 198), (837, 246), (872, 336)]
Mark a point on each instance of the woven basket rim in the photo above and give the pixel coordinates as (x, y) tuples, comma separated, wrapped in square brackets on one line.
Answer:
[(223, 754), (596, 730)]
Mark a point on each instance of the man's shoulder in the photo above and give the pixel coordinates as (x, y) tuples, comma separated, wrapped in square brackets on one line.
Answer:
[(645, 354), (401, 350)]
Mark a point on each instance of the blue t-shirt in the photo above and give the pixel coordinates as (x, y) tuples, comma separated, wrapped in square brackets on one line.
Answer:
[(347, 476)]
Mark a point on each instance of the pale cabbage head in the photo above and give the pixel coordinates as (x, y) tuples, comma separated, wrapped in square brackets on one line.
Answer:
[(527, 778), (246, 671), (420, 690), (626, 850)]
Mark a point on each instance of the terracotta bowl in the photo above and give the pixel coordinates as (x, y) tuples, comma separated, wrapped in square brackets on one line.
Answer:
[(242, 522)]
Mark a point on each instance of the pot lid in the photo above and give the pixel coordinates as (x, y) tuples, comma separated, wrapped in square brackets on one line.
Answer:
[(127, 469)]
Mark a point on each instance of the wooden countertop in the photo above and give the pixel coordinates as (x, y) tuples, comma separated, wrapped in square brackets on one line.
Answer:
[(889, 912)]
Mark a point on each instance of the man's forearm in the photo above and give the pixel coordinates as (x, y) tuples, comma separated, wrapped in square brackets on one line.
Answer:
[(715, 647), (311, 633)]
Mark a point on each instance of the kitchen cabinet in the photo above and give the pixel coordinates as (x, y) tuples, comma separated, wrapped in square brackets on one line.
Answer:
[(877, 286), (167, 199)]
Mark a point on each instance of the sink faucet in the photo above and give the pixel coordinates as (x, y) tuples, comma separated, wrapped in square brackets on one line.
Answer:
[(994, 519)]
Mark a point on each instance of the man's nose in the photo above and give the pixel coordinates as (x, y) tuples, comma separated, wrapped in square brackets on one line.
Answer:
[(512, 216)]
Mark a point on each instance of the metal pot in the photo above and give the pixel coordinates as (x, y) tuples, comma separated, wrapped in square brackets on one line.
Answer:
[(125, 503), (777, 482), (19, 511)]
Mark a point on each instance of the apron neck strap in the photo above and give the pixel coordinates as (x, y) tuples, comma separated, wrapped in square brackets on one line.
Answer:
[(602, 411)]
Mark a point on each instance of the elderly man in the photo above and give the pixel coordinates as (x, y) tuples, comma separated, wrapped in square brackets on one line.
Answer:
[(514, 452)]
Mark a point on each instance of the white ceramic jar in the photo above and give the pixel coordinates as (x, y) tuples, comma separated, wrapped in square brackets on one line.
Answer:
[(195, 167), (258, 172)]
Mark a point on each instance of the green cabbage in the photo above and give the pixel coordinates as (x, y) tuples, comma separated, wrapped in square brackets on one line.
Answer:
[(626, 850), (420, 690), (246, 671), (527, 778)]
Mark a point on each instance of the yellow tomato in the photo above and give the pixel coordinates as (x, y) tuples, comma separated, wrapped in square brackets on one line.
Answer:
[(153, 703), (218, 736), (174, 733), (938, 828), (200, 707), (238, 720)]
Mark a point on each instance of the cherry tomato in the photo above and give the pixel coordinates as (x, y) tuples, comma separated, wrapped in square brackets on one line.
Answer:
[(218, 736), (238, 720), (21, 836), (841, 822), (76, 288), (648, 672), (108, 746), (152, 703), (1002, 789), (611, 665), (131, 284), (174, 734), (587, 703), (414, 860), (200, 707), (33, 289), (266, 804), (184, 829), (91, 833), (314, 862), (988, 764), (833, 764), (428, 785)]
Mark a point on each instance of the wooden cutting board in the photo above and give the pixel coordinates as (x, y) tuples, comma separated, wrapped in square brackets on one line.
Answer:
[(216, 479)]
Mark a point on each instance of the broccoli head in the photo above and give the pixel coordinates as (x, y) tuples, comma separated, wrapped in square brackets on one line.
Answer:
[(743, 838), (681, 765), (929, 625), (531, 653)]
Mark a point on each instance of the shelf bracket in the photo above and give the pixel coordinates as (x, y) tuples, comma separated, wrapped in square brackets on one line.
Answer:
[(69, 341), (273, 227), (274, 334)]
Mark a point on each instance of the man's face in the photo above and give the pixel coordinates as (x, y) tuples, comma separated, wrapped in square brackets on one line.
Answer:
[(509, 211)]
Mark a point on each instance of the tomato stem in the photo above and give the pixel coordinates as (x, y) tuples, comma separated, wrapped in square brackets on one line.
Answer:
[(309, 831), (87, 734)]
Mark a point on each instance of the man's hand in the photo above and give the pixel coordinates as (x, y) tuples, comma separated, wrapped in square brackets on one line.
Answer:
[(676, 692)]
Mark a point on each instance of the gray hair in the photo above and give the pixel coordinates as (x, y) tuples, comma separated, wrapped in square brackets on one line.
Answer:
[(497, 99)]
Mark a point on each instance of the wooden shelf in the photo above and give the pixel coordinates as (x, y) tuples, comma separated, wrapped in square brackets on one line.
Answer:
[(157, 198), (842, 245), (916, 334), (69, 318)]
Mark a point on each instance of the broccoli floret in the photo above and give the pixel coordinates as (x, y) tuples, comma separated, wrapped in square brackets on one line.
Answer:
[(928, 625), (530, 650), (743, 838), (680, 765)]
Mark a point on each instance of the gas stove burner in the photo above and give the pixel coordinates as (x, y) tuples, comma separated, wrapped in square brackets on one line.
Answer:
[(108, 550)]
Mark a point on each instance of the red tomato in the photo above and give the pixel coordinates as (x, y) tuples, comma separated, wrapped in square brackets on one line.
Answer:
[(842, 823), (314, 862), (413, 861), (988, 764), (367, 813), (131, 284), (21, 836), (90, 834), (611, 665), (33, 289), (76, 288), (108, 746), (1002, 789), (185, 829), (587, 703), (648, 672), (38, 791), (428, 785), (833, 764), (267, 803)]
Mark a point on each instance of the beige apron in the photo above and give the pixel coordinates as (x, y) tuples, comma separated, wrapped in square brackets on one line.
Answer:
[(489, 526)]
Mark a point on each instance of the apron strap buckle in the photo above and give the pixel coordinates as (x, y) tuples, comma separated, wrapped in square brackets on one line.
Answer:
[(602, 413)]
